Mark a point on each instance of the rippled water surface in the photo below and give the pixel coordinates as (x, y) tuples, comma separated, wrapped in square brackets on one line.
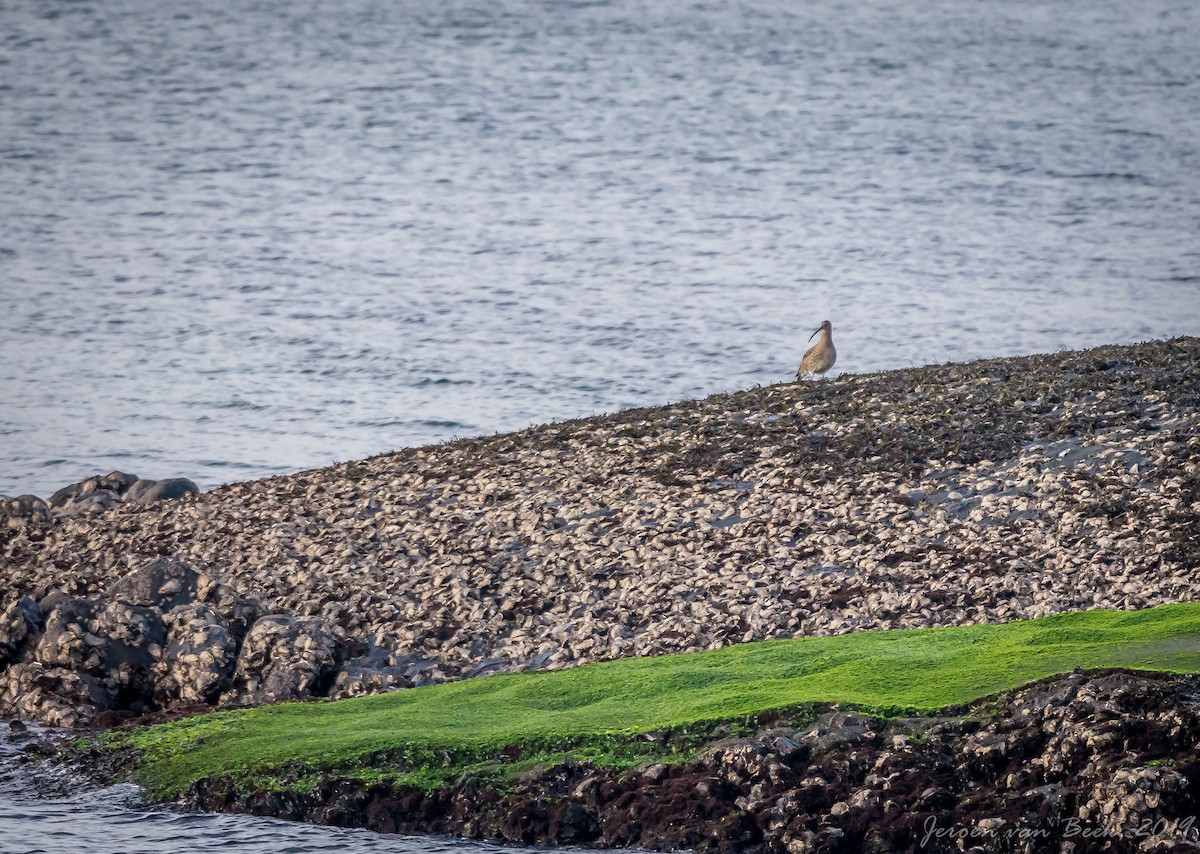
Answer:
[(111, 821), (114, 821), (251, 238)]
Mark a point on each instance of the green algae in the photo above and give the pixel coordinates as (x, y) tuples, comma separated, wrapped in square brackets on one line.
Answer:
[(620, 713)]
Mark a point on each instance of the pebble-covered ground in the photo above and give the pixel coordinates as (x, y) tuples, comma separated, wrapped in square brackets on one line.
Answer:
[(940, 495)]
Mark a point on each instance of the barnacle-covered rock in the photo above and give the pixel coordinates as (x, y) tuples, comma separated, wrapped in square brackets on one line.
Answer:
[(103, 492), (53, 695), (116, 643), (285, 658), (23, 510), (18, 622), (200, 657), (92, 494), (166, 583)]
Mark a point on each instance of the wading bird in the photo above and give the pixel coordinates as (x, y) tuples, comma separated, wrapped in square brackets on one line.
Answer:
[(820, 357)]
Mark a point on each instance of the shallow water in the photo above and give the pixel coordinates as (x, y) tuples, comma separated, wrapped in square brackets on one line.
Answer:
[(113, 820), (242, 242)]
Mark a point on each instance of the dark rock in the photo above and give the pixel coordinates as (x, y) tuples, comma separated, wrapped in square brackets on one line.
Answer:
[(835, 730), (353, 680), (487, 667), (65, 640), (137, 663), (119, 644), (52, 695), (51, 601), (285, 658), (93, 502), (200, 657), (103, 492), (238, 612), (167, 583), (145, 491), (23, 510), (115, 482), (372, 672), (164, 583), (20, 620), (574, 823), (92, 494)]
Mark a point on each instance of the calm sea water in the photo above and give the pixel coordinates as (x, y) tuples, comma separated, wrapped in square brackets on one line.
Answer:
[(252, 238), (114, 821)]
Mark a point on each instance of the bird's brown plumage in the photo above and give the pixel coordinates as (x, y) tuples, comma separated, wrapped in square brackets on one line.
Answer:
[(820, 357)]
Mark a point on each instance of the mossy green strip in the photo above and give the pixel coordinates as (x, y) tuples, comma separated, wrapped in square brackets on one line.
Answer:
[(606, 704)]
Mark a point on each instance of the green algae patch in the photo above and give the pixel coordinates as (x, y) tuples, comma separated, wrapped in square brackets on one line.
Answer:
[(620, 713)]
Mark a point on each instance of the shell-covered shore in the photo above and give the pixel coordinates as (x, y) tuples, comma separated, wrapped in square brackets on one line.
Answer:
[(942, 495)]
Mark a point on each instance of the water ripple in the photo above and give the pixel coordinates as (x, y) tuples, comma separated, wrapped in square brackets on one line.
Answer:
[(254, 242), (114, 820)]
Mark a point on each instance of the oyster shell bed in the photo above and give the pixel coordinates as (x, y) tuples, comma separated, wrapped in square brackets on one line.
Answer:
[(943, 495)]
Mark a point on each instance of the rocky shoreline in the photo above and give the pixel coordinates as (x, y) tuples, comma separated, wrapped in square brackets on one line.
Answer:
[(1102, 761), (1086, 762), (944, 495), (92, 495)]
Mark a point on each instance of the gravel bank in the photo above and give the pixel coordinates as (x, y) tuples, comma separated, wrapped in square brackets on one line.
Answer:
[(989, 491)]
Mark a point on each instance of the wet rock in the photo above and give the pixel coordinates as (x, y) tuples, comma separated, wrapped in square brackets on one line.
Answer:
[(23, 510), (92, 494), (167, 583), (145, 491), (200, 657), (53, 695), (164, 584), (573, 824), (115, 482), (285, 658), (19, 621)]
